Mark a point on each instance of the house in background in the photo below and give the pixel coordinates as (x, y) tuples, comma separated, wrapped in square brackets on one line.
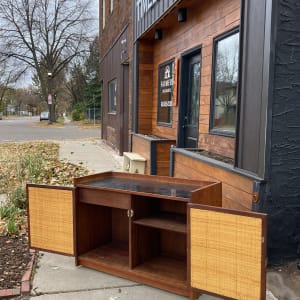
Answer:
[(219, 81)]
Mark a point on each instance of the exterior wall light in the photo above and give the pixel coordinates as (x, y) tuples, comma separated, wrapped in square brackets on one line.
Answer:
[(158, 34), (181, 15)]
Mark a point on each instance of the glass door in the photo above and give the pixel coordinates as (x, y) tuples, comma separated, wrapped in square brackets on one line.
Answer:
[(190, 99)]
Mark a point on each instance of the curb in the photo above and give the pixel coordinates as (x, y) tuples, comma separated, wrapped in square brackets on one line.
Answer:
[(25, 281)]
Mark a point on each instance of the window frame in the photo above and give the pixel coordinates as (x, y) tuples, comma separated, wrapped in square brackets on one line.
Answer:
[(160, 123), (212, 129), (110, 111)]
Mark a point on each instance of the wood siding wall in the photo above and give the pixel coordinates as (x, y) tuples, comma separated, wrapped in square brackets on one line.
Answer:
[(237, 190), (163, 157), (205, 21), (145, 88), (141, 146), (156, 153)]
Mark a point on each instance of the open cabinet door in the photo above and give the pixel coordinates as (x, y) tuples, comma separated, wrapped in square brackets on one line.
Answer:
[(51, 218), (227, 253)]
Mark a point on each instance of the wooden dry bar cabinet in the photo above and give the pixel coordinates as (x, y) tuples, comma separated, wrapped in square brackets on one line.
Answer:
[(166, 232)]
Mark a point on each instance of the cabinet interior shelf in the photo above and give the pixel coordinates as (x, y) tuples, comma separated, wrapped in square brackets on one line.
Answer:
[(110, 255), (162, 267), (167, 221)]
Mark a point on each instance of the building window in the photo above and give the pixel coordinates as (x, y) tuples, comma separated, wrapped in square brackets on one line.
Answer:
[(165, 93), (112, 96), (103, 14), (111, 6), (225, 84)]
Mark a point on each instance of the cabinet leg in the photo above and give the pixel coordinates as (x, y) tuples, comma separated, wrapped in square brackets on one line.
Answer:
[(194, 295)]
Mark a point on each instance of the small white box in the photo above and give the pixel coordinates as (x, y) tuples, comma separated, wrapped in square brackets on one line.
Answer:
[(133, 163)]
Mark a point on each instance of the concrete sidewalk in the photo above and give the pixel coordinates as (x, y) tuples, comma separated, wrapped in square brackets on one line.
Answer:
[(57, 277), (92, 154)]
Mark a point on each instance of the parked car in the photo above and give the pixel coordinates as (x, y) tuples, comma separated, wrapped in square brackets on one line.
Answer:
[(44, 115)]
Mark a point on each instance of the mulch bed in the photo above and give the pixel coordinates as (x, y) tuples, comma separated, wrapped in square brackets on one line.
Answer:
[(14, 259)]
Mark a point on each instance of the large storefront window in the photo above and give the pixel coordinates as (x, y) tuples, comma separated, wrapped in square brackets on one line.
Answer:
[(165, 93), (225, 84), (112, 96)]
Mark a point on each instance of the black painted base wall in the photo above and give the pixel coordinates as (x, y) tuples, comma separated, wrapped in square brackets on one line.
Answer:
[(282, 199)]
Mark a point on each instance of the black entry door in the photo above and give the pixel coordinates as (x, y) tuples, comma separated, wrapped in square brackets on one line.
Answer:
[(190, 99)]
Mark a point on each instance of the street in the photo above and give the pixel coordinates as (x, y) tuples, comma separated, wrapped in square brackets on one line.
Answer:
[(30, 129)]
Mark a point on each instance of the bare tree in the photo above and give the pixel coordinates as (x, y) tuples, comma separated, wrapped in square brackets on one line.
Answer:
[(9, 75), (26, 99), (76, 83), (44, 35)]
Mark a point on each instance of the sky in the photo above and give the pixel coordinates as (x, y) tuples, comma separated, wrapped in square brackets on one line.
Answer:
[(95, 5), (25, 80)]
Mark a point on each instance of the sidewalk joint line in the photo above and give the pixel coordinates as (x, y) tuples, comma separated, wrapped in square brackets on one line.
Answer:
[(84, 290)]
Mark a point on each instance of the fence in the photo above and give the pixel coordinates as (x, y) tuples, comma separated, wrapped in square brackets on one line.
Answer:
[(93, 115)]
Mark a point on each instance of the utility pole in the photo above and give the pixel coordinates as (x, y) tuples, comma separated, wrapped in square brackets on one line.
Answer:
[(50, 97), (94, 110)]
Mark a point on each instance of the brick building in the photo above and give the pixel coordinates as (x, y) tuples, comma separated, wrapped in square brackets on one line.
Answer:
[(116, 71)]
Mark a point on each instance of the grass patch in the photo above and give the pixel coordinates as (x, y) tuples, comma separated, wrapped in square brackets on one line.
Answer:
[(22, 163), (60, 120), (14, 219), (47, 124), (86, 124)]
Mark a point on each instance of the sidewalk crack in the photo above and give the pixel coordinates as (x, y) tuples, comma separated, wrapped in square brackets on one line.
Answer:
[(37, 293)]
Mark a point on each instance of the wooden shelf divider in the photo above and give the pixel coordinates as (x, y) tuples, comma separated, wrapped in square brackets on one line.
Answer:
[(167, 221)]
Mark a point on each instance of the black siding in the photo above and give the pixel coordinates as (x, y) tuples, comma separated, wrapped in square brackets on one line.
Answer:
[(256, 56), (283, 198), (114, 65), (149, 18)]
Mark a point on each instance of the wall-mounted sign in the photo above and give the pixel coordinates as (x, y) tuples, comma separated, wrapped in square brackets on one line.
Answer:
[(49, 99), (143, 6), (124, 49), (165, 92)]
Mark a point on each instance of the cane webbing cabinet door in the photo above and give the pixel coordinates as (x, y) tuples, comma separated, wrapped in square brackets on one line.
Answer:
[(227, 252), (51, 218)]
